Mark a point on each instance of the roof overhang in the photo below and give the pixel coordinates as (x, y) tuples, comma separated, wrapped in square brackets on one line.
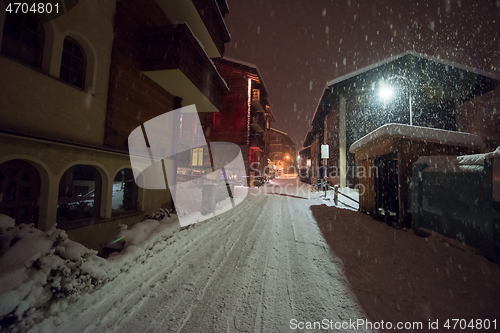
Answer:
[(418, 133), (308, 139), (416, 54), (305, 149)]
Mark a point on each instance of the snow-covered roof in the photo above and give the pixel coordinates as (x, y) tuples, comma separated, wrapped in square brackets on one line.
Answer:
[(241, 62), (419, 133), (274, 129), (416, 54), (304, 149), (250, 65)]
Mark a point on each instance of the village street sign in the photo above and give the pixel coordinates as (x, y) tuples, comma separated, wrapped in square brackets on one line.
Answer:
[(324, 151)]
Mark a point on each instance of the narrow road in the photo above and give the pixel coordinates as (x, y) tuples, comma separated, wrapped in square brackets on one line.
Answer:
[(252, 269)]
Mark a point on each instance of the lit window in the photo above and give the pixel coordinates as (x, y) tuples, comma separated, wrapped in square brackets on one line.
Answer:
[(23, 38), (255, 94), (73, 63), (197, 157)]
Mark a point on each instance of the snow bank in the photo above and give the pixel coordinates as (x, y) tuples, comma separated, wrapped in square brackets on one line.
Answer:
[(426, 134), (465, 163), (141, 241), (38, 267), (41, 272)]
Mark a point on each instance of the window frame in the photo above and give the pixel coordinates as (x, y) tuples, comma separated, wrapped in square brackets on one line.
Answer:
[(19, 41), (70, 69)]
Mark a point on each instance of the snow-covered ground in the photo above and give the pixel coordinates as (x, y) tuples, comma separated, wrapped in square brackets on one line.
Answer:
[(281, 259), (253, 268), (290, 185)]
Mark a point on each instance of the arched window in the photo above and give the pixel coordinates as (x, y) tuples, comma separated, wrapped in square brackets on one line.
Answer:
[(79, 194), (125, 191), (19, 191), (73, 63), (23, 38)]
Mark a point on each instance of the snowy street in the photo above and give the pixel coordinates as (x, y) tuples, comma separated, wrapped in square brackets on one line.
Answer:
[(279, 261), (249, 166), (251, 269)]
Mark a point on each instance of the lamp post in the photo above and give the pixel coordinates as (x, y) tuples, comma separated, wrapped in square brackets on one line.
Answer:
[(386, 92)]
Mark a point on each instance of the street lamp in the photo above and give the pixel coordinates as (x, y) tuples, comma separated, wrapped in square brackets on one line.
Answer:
[(385, 91)]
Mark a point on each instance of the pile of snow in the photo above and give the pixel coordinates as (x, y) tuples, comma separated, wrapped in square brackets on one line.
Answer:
[(41, 272), (465, 163), (141, 241), (40, 267)]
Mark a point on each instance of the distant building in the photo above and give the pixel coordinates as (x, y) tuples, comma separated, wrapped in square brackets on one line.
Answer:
[(75, 87), (358, 103), (246, 116), (282, 152)]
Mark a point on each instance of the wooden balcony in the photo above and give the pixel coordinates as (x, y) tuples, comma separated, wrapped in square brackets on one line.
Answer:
[(257, 140), (204, 17), (172, 57), (258, 123)]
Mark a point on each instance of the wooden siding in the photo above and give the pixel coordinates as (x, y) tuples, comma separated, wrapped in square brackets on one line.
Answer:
[(230, 124)]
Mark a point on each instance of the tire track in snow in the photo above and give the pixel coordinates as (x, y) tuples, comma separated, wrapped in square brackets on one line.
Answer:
[(181, 271), (116, 306), (223, 295), (187, 290), (227, 254)]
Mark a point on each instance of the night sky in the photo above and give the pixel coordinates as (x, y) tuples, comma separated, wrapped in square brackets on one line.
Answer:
[(299, 45)]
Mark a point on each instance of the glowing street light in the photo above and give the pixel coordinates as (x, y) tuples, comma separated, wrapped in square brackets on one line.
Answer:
[(385, 91)]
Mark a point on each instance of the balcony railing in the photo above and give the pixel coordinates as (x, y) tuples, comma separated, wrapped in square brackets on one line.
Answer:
[(175, 47), (257, 140), (212, 17), (204, 17), (258, 123)]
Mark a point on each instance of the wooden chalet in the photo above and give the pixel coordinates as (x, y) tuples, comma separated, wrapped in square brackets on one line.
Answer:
[(245, 117)]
